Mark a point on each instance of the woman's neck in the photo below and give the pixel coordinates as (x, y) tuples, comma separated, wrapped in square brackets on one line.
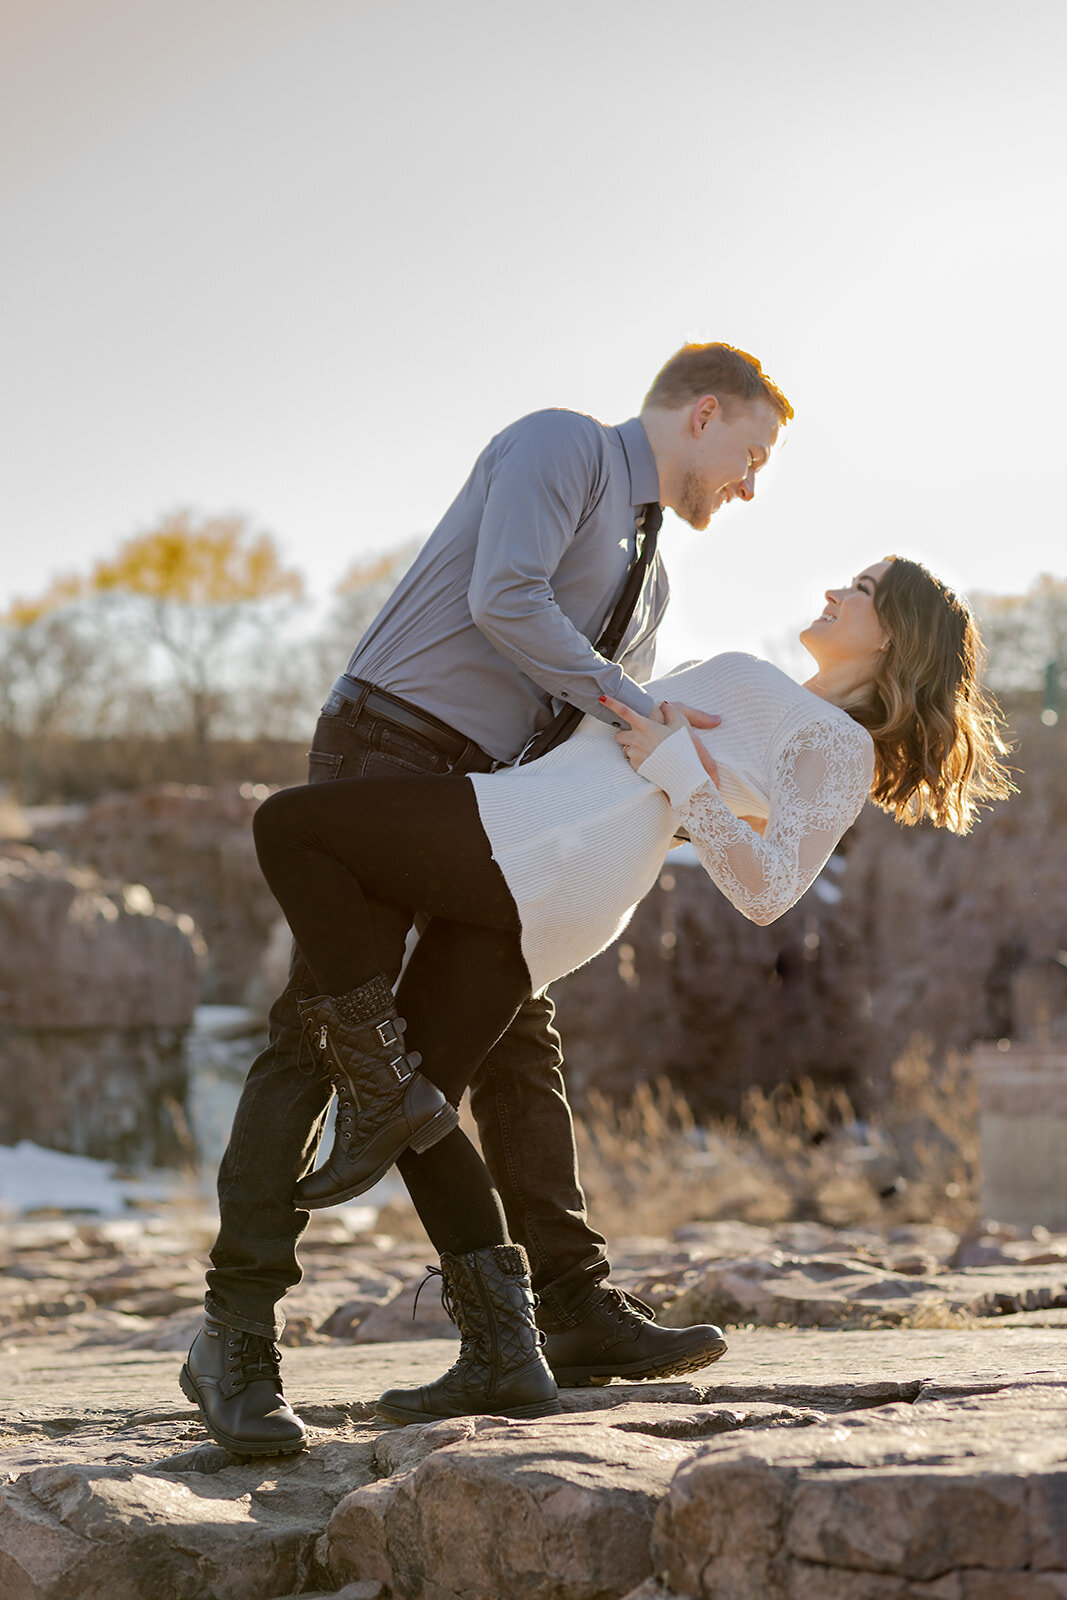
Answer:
[(843, 686)]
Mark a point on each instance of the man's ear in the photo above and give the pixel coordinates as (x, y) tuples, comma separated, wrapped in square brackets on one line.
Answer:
[(706, 408)]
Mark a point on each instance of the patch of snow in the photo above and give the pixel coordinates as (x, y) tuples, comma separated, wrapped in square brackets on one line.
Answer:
[(35, 1179), (53, 816), (225, 1019)]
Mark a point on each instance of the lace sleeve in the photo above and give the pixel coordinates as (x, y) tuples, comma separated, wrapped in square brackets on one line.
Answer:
[(820, 781)]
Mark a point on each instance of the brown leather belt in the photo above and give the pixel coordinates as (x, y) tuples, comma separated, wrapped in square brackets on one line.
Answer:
[(380, 703)]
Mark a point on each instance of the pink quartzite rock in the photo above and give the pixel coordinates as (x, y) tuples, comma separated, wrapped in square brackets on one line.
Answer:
[(193, 849), (930, 1499), (97, 988), (825, 1291), (556, 1510), (79, 951), (244, 1532)]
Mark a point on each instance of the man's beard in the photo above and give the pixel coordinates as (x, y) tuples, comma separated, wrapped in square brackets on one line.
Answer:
[(696, 505)]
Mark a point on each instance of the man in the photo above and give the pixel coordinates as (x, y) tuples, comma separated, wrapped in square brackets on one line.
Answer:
[(490, 626)]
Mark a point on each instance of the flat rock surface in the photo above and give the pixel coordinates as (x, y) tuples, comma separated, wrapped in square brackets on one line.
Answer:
[(122, 1494), (844, 1463), (60, 1402)]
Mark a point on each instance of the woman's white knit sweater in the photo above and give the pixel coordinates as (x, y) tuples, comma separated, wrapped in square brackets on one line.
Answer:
[(580, 836)]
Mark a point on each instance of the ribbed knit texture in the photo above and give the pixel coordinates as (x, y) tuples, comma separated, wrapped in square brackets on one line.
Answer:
[(580, 837), (362, 1004)]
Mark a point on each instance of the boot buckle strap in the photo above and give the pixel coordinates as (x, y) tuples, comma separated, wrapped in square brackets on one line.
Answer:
[(386, 1032)]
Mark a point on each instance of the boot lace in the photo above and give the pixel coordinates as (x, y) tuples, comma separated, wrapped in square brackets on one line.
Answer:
[(347, 1110), (448, 1299), (469, 1353), (626, 1309), (250, 1356)]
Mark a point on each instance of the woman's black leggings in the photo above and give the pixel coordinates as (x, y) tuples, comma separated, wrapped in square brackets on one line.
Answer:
[(329, 852)]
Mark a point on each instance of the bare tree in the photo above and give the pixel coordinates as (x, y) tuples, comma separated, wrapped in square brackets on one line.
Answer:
[(360, 595), (291, 683)]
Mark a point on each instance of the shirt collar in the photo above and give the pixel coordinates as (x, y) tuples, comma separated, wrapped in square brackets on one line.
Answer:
[(641, 463)]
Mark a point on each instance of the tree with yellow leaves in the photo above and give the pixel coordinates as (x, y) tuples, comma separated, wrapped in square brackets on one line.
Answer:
[(194, 588)]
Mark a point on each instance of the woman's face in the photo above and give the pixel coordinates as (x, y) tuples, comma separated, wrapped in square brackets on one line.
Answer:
[(848, 629)]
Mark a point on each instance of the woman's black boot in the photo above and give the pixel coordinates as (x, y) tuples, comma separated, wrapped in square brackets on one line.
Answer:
[(500, 1371), (384, 1104)]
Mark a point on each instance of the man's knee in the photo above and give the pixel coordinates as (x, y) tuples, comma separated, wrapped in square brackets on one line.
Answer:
[(532, 1039)]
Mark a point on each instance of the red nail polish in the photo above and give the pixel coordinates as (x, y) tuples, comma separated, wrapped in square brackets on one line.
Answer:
[(603, 699)]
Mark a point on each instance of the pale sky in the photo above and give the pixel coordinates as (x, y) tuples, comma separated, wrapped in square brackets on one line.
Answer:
[(302, 258)]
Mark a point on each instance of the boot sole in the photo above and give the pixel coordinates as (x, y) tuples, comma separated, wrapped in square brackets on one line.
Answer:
[(236, 1447), (438, 1127), (597, 1376), (546, 1408)]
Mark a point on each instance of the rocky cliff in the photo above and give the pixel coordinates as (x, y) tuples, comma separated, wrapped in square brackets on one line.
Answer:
[(97, 989)]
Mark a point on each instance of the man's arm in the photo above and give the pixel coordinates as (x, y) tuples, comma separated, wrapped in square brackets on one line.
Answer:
[(543, 489)]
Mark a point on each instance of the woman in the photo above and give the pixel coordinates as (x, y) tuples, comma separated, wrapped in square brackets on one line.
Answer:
[(529, 872)]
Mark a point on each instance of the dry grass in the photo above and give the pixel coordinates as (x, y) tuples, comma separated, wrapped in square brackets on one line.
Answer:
[(796, 1153)]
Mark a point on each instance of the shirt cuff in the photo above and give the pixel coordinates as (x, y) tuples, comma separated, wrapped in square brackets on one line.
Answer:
[(675, 767)]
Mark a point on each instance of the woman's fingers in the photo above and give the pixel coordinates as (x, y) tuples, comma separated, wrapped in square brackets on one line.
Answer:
[(675, 719), (627, 713), (698, 719), (684, 713), (641, 736)]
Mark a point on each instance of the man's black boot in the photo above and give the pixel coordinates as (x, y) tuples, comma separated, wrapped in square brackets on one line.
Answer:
[(235, 1379), (384, 1104), (617, 1338), (500, 1371)]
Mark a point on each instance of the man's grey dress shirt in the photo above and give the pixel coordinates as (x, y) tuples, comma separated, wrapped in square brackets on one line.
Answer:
[(493, 621)]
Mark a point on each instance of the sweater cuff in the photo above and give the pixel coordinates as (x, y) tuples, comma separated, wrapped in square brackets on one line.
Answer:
[(675, 767)]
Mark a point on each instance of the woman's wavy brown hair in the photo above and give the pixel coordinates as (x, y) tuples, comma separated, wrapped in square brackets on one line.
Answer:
[(937, 733)]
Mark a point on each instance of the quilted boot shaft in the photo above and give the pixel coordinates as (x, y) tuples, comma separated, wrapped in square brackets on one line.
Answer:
[(500, 1370), (384, 1104)]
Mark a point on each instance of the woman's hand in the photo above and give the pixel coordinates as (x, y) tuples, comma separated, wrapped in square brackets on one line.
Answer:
[(644, 733), (695, 718)]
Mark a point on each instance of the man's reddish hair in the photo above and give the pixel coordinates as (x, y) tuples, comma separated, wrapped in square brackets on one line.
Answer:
[(718, 369)]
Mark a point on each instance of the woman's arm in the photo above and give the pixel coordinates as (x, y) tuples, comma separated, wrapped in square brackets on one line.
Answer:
[(821, 780)]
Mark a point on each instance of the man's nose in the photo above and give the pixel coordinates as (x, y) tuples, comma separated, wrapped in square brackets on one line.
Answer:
[(746, 490)]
